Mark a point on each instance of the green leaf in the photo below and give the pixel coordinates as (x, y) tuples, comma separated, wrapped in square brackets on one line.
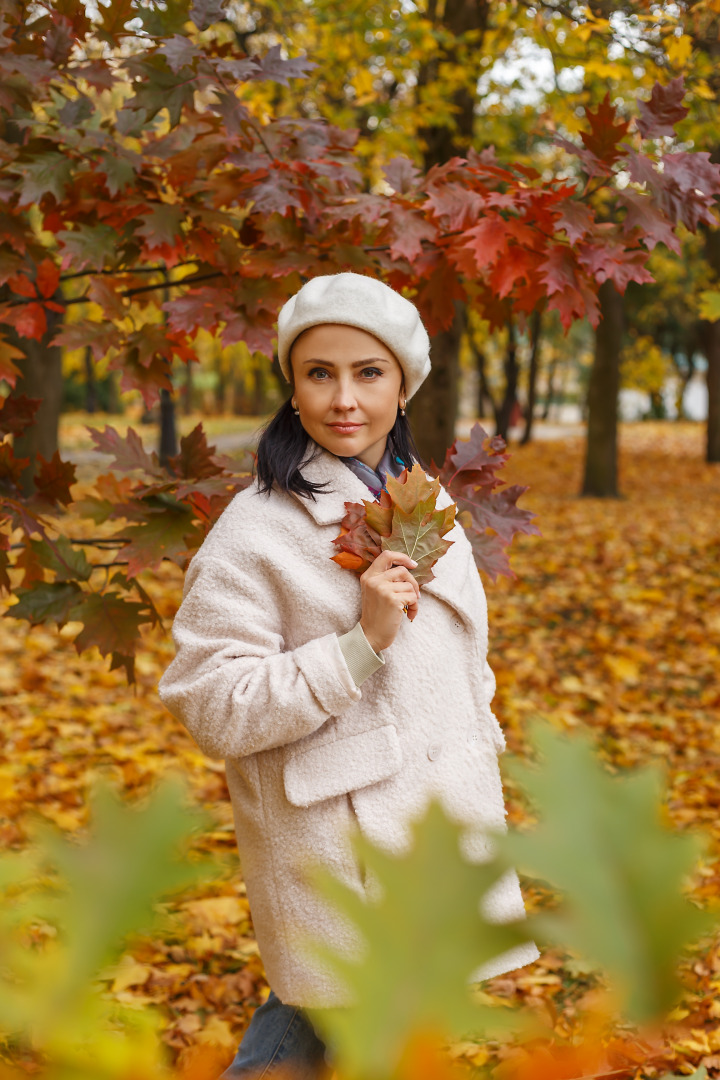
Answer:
[(46, 602), (423, 944), (419, 535), (129, 862), (95, 893), (90, 245), (166, 533), (111, 623), (46, 173), (65, 561), (709, 306), (602, 843)]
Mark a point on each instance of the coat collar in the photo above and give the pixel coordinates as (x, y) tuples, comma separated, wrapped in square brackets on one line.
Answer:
[(342, 486), (450, 581)]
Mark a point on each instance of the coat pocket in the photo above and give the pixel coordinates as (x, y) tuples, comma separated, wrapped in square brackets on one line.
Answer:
[(336, 768)]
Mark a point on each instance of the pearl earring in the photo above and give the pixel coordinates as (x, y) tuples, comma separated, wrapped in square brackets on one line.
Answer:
[(402, 409), (295, 408)]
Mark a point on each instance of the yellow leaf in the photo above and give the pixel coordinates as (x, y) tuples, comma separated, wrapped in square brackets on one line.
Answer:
[(702, 90), (217, 910), (129, 972), (678, 50), (622, 668), (217, 1032)]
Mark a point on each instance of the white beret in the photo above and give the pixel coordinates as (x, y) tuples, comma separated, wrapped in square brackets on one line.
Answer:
[(365, 302)]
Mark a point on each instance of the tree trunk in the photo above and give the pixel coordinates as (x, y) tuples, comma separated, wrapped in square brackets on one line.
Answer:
[(535, 323), (168, 434), (188, 387), (41, 367), (550, 391), (435, 432), (485, 396), (91, 401), (601, 454), (710, 337), (511, 382), (433, 411)]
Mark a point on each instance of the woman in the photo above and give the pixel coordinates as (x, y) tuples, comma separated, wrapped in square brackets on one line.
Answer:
[(274, 642)]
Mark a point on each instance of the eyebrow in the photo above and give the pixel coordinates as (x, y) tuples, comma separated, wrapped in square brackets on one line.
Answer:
[(355, 364)]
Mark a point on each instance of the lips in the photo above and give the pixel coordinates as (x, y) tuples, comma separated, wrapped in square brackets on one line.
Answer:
[(345, 429)]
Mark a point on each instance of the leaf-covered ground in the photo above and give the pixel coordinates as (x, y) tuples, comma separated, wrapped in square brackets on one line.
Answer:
[(612, 623)]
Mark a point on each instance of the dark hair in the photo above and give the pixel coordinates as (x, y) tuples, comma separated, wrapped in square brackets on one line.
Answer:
[(285, 447)]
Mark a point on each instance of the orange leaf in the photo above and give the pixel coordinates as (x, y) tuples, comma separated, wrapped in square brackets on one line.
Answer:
[(48, 277)]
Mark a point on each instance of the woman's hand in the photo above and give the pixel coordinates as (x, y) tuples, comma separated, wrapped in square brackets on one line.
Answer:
[(387, 586)]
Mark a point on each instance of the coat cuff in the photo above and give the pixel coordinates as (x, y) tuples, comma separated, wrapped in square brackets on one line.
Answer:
[(360, 657), (323, 666)]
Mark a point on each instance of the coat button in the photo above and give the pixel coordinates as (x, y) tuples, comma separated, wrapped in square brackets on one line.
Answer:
[(473, 736), (434, 750), (458, 626)]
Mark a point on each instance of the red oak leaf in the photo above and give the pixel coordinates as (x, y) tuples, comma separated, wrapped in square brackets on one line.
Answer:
[(664, 110), (53, 479), (48, 277), (604, 136), (17, 413)]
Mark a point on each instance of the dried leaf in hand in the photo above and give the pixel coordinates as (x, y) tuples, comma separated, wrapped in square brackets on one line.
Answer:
[(404, 518)]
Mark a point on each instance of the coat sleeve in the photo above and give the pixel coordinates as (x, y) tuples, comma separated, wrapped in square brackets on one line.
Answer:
[(231, 683)]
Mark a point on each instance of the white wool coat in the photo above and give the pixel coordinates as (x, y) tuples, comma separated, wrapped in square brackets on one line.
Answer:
[(259, 679)]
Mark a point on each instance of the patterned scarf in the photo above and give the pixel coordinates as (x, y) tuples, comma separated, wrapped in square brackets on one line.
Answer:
[(375, 478)]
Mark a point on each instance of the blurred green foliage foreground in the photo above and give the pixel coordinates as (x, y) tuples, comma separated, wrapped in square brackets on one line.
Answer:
[(621, 878)]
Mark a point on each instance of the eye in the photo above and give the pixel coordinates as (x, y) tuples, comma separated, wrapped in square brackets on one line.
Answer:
[(372, 371), (317, 371)]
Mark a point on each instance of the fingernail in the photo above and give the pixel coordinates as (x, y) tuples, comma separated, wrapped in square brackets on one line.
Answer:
[(413, 562)]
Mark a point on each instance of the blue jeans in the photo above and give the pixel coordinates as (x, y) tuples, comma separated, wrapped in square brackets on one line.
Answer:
[(279, 1037)]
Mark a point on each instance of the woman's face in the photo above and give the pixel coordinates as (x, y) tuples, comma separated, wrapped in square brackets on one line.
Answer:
[(348, 386)]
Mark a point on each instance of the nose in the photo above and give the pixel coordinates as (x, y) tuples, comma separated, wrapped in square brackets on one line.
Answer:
[(344, 396)]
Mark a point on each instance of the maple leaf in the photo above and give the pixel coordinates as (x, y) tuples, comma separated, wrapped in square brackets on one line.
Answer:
[(486, 241), (664, 110), (9, 372), (17, 413), (53, 479), (401, 174), (161, 227), (47, 173), (11, 468), (419, 535), (559, 270), (576, 219), (28, 319), (195, 459), (166, 532), (643, 214), (88, 245), (490, 517), (513, 267), (273, 67), (101, 337), (179, 52), (404, 519), (59, 556), (114, 17), (46, 602), (48, 277), (127, 453), (604, 135), (112, 624), (206, 12), (409, 229)]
